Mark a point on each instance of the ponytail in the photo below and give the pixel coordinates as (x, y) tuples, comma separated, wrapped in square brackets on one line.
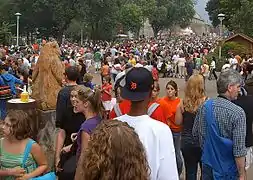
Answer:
[(94, 97), (96, 102)]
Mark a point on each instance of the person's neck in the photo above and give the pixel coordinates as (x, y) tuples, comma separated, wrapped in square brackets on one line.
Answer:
[(71, 83), (89, 114), (226, 95), (153, 99), (172, 98), (138, 109), (12, 140)]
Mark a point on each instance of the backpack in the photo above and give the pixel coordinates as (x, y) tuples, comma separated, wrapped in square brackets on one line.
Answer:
[(5, 91)]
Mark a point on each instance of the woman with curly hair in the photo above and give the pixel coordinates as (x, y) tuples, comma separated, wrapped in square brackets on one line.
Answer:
[(114, 152), (194, 97)]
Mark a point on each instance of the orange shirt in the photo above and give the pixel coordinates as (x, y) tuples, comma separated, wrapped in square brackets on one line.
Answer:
[(125, 106), (169, 108), (105, 70)]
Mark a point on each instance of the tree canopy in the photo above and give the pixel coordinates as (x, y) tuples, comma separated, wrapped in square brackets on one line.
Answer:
[(101, 19), (238, 14)]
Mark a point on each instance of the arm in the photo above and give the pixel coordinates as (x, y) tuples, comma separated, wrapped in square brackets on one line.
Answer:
[(61, 104), (17, 172), (59, 145), (41, 161), (240, 163), (239, 149), (18, 81), (179, 115), (108, 91), (85, 139)]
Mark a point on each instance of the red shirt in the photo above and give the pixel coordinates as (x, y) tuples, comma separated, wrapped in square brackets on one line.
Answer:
[(125, 106), (155, 74), (105, 96)]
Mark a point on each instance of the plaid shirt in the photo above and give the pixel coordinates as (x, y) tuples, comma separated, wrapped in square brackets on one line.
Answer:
[(230, 120)]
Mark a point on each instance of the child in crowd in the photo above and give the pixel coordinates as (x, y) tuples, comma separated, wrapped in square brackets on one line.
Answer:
[(87, 80), (16, 141), (107, 95), (205, 71)]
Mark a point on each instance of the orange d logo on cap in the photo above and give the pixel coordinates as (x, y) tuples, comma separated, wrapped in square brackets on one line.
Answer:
[(133, 86)]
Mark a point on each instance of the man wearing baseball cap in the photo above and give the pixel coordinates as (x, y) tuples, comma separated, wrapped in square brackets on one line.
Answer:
[(155, 136)]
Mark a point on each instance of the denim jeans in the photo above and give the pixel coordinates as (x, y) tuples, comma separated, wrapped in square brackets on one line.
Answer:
[(192, 158), (177, 145)]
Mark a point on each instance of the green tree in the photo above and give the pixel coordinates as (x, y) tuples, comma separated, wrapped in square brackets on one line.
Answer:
[(212, 8), (5, 33), (170, 13), (101, 16), (238, 14), (233, 47), (158, 19), (242, 21), (130, 16), (51, 17)]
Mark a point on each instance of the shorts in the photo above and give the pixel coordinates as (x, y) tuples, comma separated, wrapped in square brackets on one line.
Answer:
[(97, 65), (107, 105), (88, 63)]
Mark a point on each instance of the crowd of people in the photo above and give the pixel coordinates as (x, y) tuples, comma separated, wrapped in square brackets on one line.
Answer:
[(123, 129)]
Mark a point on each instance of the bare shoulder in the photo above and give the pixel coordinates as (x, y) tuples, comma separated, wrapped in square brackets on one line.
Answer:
[(35, 148)]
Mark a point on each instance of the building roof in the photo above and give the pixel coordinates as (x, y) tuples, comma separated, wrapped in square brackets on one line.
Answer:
[(241, 35), (198, 17)]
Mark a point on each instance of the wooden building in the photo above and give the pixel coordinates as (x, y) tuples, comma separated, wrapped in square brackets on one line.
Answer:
[(242, 39)]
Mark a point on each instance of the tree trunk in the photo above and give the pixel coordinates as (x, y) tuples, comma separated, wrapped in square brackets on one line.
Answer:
[(156, 30)]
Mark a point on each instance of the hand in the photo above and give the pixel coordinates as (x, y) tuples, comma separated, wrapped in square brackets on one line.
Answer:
[(24, 177), (57, 169), (17, 172), (66, 149), (242, 178), (73, 136), (63, 82)]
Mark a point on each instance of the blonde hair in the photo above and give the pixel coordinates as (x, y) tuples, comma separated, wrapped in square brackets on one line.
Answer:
[(194, 93), (77, 88), (93, 96)]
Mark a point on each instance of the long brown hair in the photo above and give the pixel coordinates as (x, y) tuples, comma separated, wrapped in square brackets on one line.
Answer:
[(93, 96), (194, 93), (114, 152)]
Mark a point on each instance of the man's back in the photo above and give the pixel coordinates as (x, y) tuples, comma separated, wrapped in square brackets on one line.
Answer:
[(156, 137), (230, 120)]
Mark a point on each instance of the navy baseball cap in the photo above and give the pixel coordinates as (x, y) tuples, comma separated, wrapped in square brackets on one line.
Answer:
[(138, 84)]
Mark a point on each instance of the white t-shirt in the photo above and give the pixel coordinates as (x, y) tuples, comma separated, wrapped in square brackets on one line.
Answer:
[(213, 65), (156, 138), (181, 61)]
